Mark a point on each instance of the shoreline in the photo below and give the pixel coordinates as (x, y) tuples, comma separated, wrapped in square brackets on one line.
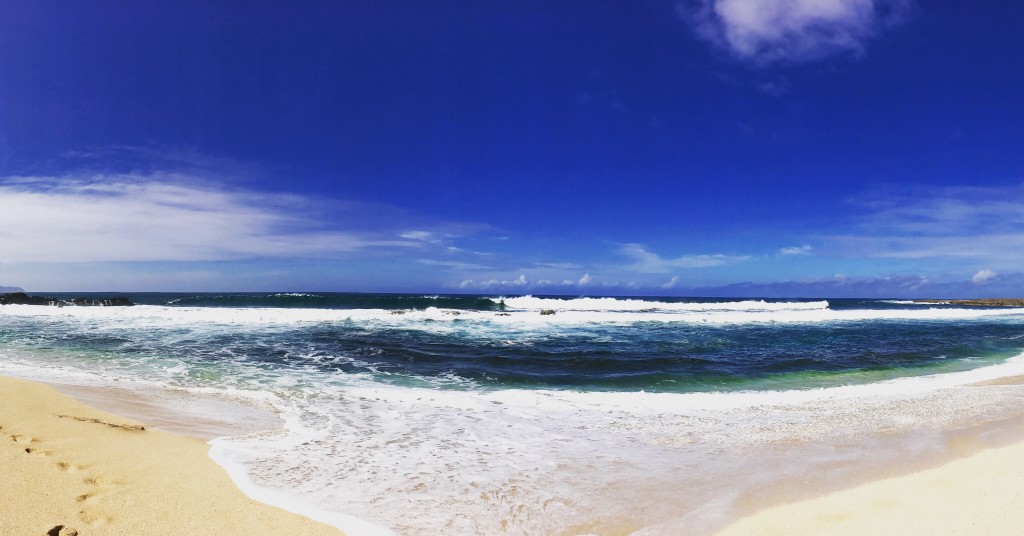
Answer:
[(846, 465), (979, 493), (822, 504), (70, 465), (952, 445), (968, 486)]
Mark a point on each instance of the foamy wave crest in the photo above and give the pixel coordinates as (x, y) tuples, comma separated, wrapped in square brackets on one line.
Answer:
[(530, 303), (572, 313)]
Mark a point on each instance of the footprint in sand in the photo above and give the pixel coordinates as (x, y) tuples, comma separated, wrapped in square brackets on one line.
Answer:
[(91, 499), (61, 530), (21, 439), (94, 518), (37, 452), (69, 467)]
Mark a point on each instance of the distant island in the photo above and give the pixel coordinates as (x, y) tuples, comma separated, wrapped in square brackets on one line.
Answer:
[(11, 289), (20, 298), (983, 302)]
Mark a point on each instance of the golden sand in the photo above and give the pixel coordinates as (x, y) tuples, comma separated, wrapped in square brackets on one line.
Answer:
[(68, 468), (980, 494)]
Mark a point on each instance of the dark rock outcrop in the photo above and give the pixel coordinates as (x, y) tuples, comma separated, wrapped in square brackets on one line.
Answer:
[(983, 302), (547, 311), (20, 298)]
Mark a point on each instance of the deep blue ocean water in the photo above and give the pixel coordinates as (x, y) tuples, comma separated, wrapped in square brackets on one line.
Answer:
[(653, 344)]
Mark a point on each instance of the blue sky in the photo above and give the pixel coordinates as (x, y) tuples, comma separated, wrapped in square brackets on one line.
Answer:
[(708, 147)]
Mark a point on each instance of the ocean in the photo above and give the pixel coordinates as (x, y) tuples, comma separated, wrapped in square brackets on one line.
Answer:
[(457, 414)]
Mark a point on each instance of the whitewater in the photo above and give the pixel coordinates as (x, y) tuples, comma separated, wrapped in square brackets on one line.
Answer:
[(416, 414)]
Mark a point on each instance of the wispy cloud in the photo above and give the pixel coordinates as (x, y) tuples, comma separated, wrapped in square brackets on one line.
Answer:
[(648, 262), (454, 265), (422, 236), (978, 223), (796, 250), (517, 283), (770, 31), (169, 217)]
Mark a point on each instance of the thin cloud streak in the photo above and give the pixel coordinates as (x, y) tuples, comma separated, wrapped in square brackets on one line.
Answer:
[(163, 217), (976, 223), (648, 262)]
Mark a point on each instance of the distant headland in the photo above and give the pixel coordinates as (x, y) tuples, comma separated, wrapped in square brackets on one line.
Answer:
[(11, 289), (983, 302), (20, 298)]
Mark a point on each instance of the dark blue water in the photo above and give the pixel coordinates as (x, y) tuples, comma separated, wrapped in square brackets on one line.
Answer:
[(479, 341)]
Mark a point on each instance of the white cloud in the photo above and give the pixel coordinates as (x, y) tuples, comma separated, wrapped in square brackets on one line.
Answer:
[(981, 223), (766, 31), (558, 265), (796, 250), (520, 281), (983, 276), (455, 265), (671, 282), (648, 262), (585, 280), (162, 217), (422, 236)]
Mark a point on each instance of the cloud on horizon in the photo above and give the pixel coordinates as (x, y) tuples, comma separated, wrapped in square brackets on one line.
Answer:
[(979, 224), (763, 32), (983, 276)]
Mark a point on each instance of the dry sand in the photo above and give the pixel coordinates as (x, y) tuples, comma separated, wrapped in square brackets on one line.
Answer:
[(65, 465), (980, 494)]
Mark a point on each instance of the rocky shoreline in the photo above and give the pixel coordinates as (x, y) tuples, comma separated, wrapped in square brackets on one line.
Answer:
[(20, 298), (982, 302)]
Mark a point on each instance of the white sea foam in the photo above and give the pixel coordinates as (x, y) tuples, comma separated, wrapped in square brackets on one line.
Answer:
[(422, 460), (436, 319), (530, 303), (235, 463)]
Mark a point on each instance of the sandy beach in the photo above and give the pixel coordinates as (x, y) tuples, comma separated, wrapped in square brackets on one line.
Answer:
[(69, 468), (979, 494)]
